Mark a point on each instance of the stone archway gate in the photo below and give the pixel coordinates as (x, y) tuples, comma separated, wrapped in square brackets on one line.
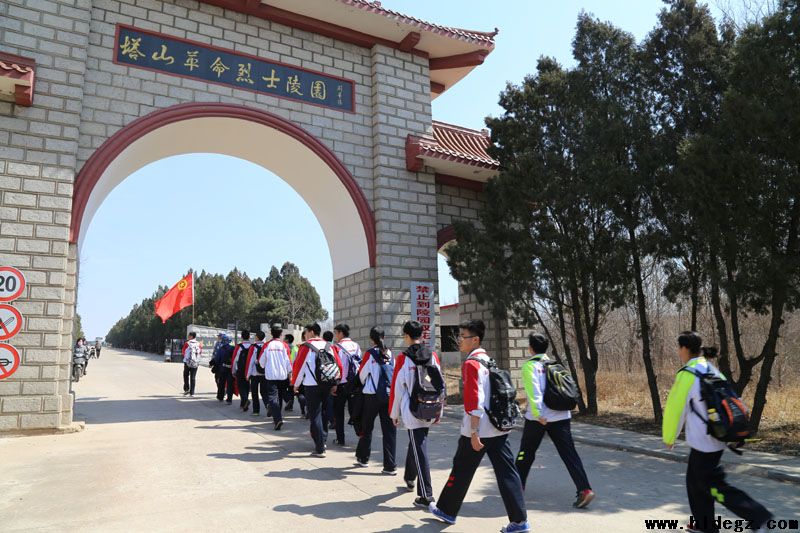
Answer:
[(353, 76)]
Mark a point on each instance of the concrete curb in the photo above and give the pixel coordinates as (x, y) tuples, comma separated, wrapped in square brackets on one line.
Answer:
[(750, 470), (678, 457)]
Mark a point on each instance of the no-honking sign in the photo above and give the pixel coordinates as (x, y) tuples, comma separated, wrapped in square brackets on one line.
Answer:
[(9, 360)]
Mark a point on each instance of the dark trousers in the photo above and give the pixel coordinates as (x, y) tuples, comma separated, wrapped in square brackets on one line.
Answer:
[(374, 407), (244, 390), (561, 435), (189, 378), (301, 399), (417, 465), (705, 484), (287, 394), (466, 462), (274, 398), (258, 387), (224, 383), (341, 400), (317, 398)]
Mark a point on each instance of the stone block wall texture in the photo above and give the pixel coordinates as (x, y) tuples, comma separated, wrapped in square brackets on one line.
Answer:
[(82, 98), (38, 159)]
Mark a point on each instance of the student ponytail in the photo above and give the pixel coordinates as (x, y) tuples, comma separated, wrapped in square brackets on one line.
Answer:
[(376, 334), (709, 352)]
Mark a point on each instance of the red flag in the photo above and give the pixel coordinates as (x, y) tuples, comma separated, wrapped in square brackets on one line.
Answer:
[(178, 297)]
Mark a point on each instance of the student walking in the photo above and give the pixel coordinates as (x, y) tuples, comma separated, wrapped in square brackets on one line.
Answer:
[(222, 361), (478, 438), (541, 419), (277, 369), (287, 394), (375, 373), (350, 355), (255, 374), (239, 368), (318, 369), (705, 477), (191, 360), (417, 361)]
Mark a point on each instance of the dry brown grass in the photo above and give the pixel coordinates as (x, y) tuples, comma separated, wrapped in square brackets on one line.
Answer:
[(624, 402)]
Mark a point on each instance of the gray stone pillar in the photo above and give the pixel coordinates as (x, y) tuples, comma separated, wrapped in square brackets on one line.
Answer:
[(404, 202), (38, 147)]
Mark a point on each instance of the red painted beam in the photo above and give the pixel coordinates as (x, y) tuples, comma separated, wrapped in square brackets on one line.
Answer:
[(295, 20), (444, 236), (470, 59), (437, 87), (91, 172), (461, 183), (409, 41)]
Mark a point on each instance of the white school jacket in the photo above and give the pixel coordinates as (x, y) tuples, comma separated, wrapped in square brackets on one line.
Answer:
[(477, 392), (275, 360), (369, 371)]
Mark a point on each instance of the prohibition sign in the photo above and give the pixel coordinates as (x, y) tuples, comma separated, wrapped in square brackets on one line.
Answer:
[(10, 322), (9, 360), (12, 283)]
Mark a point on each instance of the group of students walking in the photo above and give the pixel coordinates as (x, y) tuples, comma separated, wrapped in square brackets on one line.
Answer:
[(334, 380)]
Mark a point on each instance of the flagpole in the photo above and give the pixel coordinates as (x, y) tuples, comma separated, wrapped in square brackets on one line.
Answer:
[(193, 297)]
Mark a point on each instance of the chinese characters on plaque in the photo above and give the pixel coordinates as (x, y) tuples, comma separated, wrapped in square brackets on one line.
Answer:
[(171, 55), (422, 310)]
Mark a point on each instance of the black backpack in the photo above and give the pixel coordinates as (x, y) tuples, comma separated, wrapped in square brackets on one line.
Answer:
[(352, 368), (503, 410), (726, 417), (560, 391), (257, 355), (429, 391), (327, 372), (241, 362)]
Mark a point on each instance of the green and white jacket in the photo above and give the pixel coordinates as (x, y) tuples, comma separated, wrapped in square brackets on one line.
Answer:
[(678, 412), (534, 379)]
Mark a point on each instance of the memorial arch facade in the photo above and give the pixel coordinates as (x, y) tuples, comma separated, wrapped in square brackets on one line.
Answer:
[(333, 96)]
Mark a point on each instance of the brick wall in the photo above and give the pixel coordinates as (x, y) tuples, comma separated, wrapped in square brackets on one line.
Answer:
[(82, 98), (38, 154)]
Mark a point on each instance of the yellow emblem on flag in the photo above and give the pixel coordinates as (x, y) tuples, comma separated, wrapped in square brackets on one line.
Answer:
[(182, 284)]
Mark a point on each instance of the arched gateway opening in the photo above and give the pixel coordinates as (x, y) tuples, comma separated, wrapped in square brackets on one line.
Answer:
[(272, 142)]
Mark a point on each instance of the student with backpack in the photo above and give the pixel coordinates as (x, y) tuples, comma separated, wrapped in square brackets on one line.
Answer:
[(327, 336), (191, 360), (286, 389), (277, 369), (318, 369), (703, 401), (375, 374), (255, 374), (350, 355), (490, 412), (416, 400), (222, 363), (543, 381), (239, 368)]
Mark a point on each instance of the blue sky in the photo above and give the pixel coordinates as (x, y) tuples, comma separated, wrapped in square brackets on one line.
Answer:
[(129, 249)]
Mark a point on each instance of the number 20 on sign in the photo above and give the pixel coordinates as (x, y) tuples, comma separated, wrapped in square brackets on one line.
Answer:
[(12, 283)]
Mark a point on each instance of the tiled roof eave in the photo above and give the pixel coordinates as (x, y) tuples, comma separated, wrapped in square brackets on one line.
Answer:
[(476, 37)]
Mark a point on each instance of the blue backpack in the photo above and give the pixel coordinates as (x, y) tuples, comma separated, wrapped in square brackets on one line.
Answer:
[(384, 385)]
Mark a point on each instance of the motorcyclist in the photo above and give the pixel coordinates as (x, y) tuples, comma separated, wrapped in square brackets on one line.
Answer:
[(81, 350)]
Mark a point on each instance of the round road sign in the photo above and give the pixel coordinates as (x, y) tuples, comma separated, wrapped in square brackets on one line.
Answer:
[(9, 360), (10, 322), (12, 283)]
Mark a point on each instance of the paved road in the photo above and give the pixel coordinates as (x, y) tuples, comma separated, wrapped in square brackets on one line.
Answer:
[(152, 460)]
